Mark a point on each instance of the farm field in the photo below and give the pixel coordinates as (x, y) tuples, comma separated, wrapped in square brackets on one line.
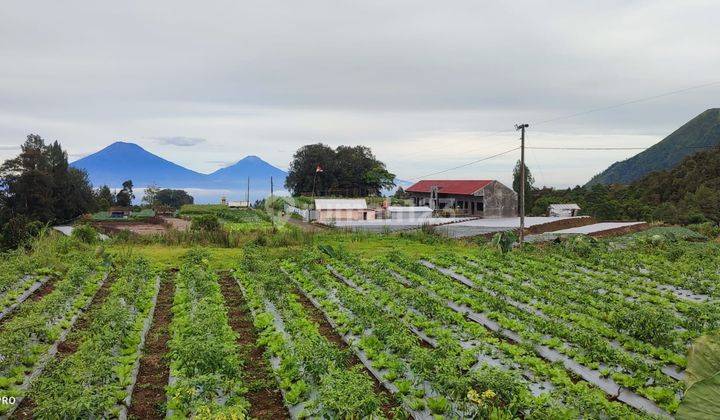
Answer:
[(338, 325)]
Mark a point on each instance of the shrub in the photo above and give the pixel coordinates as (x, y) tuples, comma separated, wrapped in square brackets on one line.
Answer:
[(206, 222), (503, 241), (85, 234)]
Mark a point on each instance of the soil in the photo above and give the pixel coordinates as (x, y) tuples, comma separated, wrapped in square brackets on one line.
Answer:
[(176, 223), (148, 397), (264, 396), (38, 294), (624, 230), (70, 345), (140, 228), (331, 335)]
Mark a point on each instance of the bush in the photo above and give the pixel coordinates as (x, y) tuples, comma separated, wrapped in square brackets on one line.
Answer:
[(504, 241), (709, 229), (206, 222), (85, 234), (18, 231)]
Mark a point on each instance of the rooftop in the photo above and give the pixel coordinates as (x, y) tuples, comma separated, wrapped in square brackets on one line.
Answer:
[(461, 187)]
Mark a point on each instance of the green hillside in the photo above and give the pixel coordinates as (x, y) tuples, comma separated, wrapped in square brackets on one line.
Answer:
[(695, 135)]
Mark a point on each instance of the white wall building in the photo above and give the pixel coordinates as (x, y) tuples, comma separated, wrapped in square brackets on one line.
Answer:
[(563, 210), (409, 213), (328, 210)]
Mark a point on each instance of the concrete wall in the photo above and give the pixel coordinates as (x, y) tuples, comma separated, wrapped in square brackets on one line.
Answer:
[(344, 214), (499, 201)]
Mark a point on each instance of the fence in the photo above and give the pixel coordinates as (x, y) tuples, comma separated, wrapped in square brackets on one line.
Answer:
[(304, 213)]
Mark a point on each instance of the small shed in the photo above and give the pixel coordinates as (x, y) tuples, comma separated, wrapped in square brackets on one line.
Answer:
[(563, 210), (119, 212), (409, 213), (328, 209)]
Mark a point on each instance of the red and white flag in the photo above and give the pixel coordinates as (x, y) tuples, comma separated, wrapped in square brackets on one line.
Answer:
[(318, 169)]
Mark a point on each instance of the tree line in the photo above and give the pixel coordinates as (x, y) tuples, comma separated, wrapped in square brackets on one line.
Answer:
[(40, 187), (689, 193)]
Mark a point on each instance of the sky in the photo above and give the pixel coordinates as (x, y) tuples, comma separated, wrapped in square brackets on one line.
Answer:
[(427, 85)]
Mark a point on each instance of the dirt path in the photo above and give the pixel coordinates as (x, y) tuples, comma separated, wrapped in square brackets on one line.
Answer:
[(264, 396), (331, 335), (70, 345), (148, 397)]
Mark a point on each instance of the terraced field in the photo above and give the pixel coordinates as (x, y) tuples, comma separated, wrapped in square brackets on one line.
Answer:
[(338, 332)]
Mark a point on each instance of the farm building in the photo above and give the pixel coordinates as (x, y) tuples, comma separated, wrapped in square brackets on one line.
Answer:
[(328, 210), (409, 213), (238, 204), (563, 210), (119, 212), (482, 198)]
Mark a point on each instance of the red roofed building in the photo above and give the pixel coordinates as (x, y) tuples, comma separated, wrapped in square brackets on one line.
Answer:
[(482, 198)]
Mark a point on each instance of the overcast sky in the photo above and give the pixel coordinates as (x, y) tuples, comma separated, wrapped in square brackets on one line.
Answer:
[(423, 83)]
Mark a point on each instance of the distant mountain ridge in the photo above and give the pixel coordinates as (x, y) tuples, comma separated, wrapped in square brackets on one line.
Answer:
[(700, 133), (121, 161)]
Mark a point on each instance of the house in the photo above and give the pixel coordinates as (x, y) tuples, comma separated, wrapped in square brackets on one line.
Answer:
[(481, 198), (329, 210), (409, 213), (563, 210), (238, 204), (119, 212)]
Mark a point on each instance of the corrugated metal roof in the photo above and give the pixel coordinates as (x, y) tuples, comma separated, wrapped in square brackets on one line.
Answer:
[(340, 204), (462, 187), (566, 206), (401, 209)]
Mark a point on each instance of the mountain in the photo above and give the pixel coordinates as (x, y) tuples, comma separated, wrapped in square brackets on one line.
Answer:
[(251, 167), (121, 161), (700, 133)]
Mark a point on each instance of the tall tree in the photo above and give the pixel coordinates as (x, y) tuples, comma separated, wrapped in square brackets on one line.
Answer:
[(125, 196), (529, 185), (39, 186), (345, 171), (104, 198)]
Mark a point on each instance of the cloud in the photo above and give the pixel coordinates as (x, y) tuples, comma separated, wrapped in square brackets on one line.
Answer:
[(9, 147), (180, 141), (420, 82)]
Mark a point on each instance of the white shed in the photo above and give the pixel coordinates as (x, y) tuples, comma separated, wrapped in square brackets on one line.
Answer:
[(331, 209), (409, 213), (563, 210)]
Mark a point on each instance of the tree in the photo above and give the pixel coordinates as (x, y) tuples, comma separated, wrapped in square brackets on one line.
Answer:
[(347, 170), (125, 196), (529, 186), (172, 198), (149, 195), (104, 198), (40, 185)]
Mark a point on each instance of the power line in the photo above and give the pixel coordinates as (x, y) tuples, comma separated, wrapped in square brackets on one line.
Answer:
[(630, 102), (609, 148), (573, 115), (468, 164)]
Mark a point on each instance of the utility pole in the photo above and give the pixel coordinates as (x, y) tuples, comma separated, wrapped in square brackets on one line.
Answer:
[(272, 212), (247, 196), (522, 128)]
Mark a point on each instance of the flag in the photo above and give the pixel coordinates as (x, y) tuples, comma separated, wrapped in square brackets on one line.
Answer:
[(318, 169)]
